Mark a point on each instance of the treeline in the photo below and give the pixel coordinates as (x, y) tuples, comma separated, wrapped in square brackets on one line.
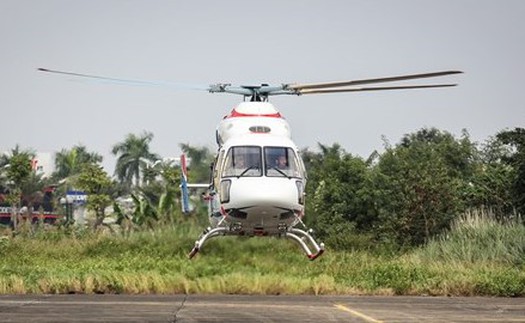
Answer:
[(402, 197), (414, 189), (143, 192)]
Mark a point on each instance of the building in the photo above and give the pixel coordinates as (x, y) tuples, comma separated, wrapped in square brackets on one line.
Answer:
[(44, 163)]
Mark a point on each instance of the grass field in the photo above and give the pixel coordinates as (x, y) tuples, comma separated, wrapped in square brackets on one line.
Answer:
[(478, 257)]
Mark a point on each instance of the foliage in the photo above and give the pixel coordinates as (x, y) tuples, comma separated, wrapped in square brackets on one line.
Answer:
[(420, 190), (22, 183), (32, 189), (405, 195), (133, 157), (199, 168), (95, 182), (339, 205), (156, 201), (457, 154), (491, 184), (16, 166), (516, 159), (402, 197), (145, 212), (69, 162)]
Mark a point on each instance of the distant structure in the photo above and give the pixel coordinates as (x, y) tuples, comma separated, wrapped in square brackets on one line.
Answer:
[(174, 160), (44, 163), (35, 209)]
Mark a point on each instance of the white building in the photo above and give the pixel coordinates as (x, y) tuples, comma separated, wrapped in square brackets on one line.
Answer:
[(43, 163)]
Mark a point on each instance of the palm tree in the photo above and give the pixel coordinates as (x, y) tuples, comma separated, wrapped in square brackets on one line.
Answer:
[(133, 156), (69, 162), (17, 165), (32, 190)]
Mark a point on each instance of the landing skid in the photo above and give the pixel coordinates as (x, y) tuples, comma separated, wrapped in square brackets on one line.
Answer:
[(302, 237), (208, 234)]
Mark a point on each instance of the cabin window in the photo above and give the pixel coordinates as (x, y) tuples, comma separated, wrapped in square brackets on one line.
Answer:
[(243, 161), (281, 161)]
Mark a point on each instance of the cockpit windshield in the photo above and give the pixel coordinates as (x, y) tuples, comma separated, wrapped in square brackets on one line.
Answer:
[(243, 161), (281, 161), (246, 161)]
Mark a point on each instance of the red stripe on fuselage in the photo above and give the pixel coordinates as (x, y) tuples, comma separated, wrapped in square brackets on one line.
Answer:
[(235, 114)]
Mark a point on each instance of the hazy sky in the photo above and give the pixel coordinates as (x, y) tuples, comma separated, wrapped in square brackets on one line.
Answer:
[(247, 42)]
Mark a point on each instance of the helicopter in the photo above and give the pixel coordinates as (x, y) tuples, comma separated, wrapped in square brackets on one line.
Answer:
[(258, 179)]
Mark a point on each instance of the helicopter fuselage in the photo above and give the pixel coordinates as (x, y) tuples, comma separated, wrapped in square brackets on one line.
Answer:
[(258, 176)]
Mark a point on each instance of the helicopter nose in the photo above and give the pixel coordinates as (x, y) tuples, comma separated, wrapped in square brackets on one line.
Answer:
[(278, 192)]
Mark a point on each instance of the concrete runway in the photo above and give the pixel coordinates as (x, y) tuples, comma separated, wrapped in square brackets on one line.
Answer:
[(238, 308)]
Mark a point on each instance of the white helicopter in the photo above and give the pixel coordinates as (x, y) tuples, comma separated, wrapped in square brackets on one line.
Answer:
[(258, 178)]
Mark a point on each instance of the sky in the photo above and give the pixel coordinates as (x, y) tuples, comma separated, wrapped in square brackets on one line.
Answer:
[(243, 42)]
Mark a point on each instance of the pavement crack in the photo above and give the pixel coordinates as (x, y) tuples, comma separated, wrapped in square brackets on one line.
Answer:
[(175, 316)]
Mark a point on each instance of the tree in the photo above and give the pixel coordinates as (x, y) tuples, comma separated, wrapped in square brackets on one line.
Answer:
[(160, 195), (491, 185), (69, 162), (95, 182), (417, 195), (133, 156), (425, 181), (457, 154), (17, 168), (17, 165), (32, 190), (515, 139), (339, 204)]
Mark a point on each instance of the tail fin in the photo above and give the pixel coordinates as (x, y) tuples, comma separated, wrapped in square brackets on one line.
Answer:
[(187, 206), (184, 192)]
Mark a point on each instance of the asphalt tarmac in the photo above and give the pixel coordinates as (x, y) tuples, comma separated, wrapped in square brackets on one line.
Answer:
[(239, 308)]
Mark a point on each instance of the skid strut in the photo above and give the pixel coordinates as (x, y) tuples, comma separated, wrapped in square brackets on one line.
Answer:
[(207, 234), (305, 239)]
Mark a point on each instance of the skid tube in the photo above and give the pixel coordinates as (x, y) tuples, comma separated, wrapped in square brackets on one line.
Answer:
[(302, 237), (208, 234), (305, 238)]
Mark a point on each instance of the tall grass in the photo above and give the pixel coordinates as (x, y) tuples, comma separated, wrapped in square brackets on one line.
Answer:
[(478, 236), (156, 261), (483, 253)]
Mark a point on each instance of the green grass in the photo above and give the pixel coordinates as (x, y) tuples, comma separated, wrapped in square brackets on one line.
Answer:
[(156, 262)]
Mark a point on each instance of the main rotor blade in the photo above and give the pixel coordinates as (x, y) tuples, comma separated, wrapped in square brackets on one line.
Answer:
[(368, 81), (379, 88), (127, 81)]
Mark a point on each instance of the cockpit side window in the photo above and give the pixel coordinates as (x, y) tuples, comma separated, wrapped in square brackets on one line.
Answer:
[(243, 161), (217, 168), (281, 161)]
